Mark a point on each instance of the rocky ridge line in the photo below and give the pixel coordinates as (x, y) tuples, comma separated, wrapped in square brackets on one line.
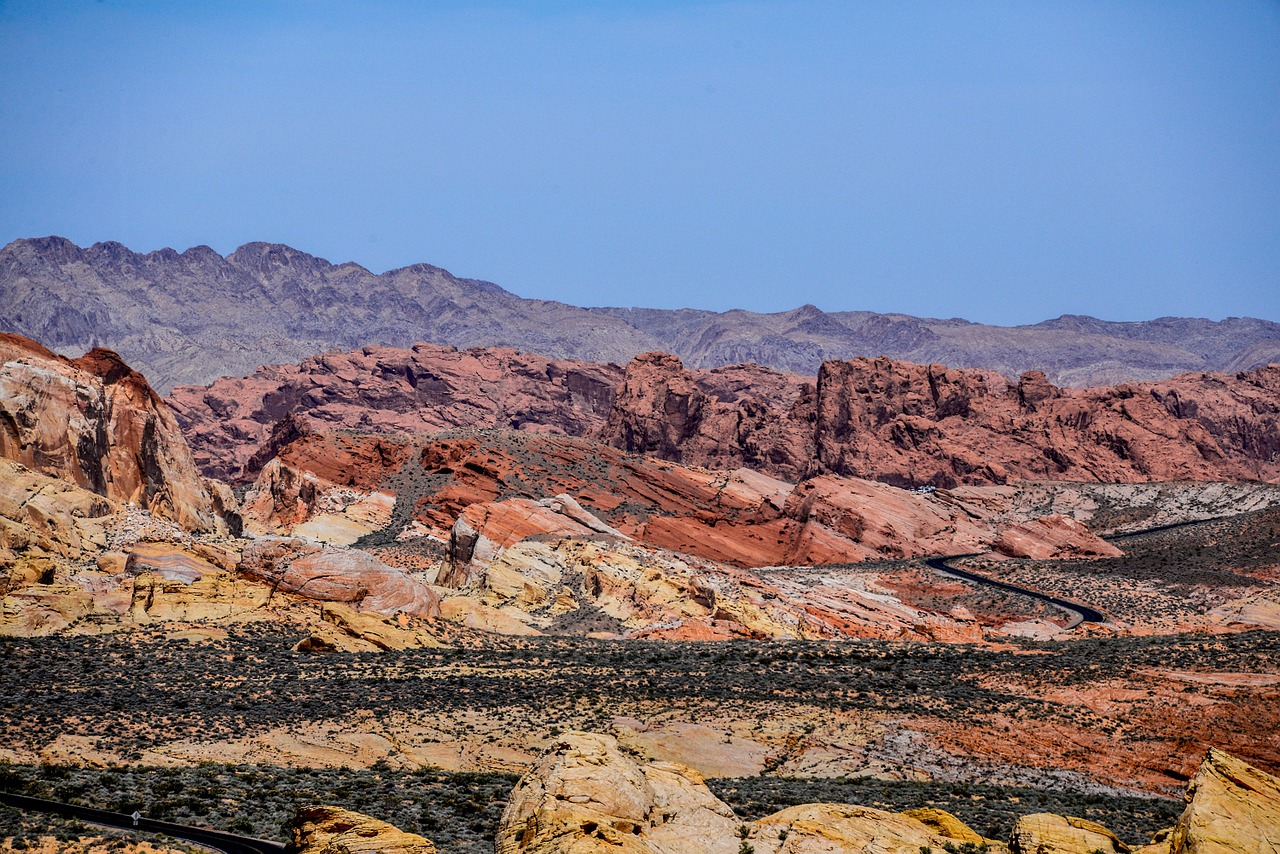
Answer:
[(189, 317), (897, 422)]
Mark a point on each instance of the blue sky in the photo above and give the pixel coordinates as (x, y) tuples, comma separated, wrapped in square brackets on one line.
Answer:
[(1005, 162)]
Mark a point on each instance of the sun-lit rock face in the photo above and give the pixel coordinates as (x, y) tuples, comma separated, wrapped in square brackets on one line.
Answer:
[(846, 829), (1233, 808), (586, 796), (43, 517), (96, 423), (289, 501), (1047, 833), (329, 574), (485, 530), (333, 830), (1052, 537)]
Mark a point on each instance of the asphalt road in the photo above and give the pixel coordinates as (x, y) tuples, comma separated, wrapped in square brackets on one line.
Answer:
[(216, 839), (1084, 614)]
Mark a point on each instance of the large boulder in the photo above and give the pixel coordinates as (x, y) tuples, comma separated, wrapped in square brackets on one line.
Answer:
[(585, 796), (331, 574), (1047, 833), (333, 830), (846, 829)]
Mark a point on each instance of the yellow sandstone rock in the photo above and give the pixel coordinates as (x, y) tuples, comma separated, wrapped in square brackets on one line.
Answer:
[(1233, 809), (945, 824), (344, 629), (1046, 833), (585, 796), (332, 830), (847, 829)]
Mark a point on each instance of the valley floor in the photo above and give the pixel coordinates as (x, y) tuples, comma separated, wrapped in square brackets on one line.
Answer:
[(1086, 722)]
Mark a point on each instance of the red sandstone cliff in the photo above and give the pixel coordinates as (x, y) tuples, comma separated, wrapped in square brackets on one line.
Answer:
[(911, 424), (886, 420), (95, 422), (387, 390)]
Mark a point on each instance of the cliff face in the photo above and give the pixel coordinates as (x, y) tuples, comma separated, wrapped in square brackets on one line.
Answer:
[(236, 425), (739, 416), (95, 422), (909, 424), (896, 422)]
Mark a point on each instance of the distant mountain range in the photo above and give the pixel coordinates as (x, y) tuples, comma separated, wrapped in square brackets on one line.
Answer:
[(190, 317)]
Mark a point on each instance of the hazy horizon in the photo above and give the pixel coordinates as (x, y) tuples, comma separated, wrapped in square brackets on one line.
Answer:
[(1005, 163), (829, 309)]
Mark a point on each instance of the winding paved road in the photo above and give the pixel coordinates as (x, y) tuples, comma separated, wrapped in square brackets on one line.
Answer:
[(1084, 614), (216, 839)]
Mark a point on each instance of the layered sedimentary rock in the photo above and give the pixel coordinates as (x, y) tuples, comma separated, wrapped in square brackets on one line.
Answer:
[(739, 416), (896, 422), (739, 517), (329, 574), (288, 500), (1232, 807), (482, 531), (43, 517), (1046, 833), (235, 424), (911, 424), (1052, 537), (95, 422), (906, 423)]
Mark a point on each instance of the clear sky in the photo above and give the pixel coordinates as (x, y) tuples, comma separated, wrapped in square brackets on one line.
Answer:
[(1005, 162)]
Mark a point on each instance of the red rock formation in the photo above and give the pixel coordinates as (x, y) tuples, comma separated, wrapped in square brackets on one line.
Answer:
[(744, 415), (885, 420), (96, 423), (337, 575), (1052, 537), (910, 424), (234, 425), (488, 488)]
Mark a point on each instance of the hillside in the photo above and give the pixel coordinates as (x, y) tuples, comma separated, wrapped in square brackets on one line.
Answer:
[(190, 317), (892, 421)]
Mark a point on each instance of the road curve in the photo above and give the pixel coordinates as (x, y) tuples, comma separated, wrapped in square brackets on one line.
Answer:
[(1084, 614), (227, 842)]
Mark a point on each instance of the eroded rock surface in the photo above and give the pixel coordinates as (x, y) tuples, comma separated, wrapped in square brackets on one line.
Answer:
[(1046, 833), (910, 424), (95, 422), (333, 830), (234, 424), (1232, 808), (329, 574), (584, 795), (1052, 537)]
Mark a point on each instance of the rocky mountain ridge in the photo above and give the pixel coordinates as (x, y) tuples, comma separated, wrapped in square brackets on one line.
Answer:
[(192, 316), (902, 423)]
